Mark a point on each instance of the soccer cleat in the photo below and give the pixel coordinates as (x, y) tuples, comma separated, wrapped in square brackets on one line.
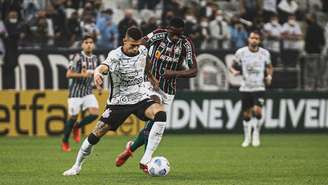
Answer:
[(144, 168), (75, 170), (256, 139), (246, 143), (76, 134), (65, 147), (125, 155)]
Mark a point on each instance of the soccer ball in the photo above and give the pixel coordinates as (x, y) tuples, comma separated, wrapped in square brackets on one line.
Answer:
[(159, 166)]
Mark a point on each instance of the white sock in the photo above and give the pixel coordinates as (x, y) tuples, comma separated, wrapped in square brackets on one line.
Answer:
[(247, 129), (154, 138), (84, 151), (256, 125)]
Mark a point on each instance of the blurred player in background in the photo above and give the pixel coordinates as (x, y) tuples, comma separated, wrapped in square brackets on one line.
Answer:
[(80, 74), (254, 64), (126, 67), (169, 50)]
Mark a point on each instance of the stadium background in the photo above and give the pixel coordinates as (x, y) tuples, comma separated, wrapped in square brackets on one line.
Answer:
[(35, 50)]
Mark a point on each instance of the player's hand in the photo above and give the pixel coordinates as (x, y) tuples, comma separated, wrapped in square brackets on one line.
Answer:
[(268, 80), (98, 78), (85, 73), (169, 74), (154, 82), (234, 72)]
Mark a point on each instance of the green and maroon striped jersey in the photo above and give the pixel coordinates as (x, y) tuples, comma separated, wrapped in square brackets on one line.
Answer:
[(165, 54)]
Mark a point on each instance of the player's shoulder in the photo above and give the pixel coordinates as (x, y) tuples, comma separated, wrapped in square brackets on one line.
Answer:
[(115, 53), (75, 57), (143, 50), (264, 51), (242, 50), (157, 31)]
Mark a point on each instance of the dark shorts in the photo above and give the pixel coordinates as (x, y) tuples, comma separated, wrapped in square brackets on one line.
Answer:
[(250, 99), (115, 115)]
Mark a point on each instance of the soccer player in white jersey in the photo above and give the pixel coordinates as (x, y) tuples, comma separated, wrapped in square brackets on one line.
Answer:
[(126, 67), (254, 64)]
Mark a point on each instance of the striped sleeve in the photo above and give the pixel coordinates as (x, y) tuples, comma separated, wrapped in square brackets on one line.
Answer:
[(74, 62), (189, 50), (154, 36)]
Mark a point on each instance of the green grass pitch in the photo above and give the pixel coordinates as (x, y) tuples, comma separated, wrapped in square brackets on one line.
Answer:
[(195, 159)]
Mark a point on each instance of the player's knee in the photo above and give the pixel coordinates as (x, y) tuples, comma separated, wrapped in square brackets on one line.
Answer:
[(73, 117), (93, 139), (246, 117), (160, 116), (258, 115)]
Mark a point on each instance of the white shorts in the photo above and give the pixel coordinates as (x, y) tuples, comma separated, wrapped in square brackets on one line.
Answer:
[(166, 99), (76, 104)]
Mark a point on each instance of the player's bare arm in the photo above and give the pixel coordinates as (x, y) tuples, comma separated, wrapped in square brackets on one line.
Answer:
[(190, 73), (73, 74), (98, 75), (269, 71)]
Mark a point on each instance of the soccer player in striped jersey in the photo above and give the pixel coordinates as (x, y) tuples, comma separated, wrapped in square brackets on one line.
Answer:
[(80, 75), (254, 64), (169, 51), (126, 68)]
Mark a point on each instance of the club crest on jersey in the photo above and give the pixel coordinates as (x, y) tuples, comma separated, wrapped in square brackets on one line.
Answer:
[(157, 54)]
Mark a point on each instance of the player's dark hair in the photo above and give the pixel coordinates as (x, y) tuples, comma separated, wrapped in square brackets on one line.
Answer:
[(177, 22), (88, 37), (257, 32), (134, 33)]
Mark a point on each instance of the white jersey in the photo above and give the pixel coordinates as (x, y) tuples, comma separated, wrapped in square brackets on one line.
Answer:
[(253, 66), (126, 77)]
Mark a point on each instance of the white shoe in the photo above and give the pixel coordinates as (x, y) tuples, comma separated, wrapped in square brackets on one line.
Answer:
[(246, 143), (256, 139), (75, 170)]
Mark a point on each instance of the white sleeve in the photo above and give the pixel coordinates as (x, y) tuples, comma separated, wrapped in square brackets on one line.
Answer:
[(111, 61)]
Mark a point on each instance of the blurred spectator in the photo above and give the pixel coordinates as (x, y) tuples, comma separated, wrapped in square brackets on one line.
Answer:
[(174, 6), (14, 33), (238, 34), (219, 32), (292, 34), (108, 34), (147, 4), (272, 37), (89, 10), (3, 35), (204, 33), (194, 30), (11, 5), (125, 23), (41, 29), (286, 8), (249, 9), (89, 27), (56, 12), (208, 9), (314, 35), (269, 9), (149, 26), (30, 9), (74, 30)]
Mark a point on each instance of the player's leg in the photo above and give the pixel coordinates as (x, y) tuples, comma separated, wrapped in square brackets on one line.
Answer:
[(90, 105), (156, 113), (73, 110), (111, 119), (247, 118), (257, 112)]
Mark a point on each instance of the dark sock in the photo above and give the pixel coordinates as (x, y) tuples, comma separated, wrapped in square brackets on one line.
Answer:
[(139, 141), (147, 131), (68, 129), (88, 119), (142, 137)]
